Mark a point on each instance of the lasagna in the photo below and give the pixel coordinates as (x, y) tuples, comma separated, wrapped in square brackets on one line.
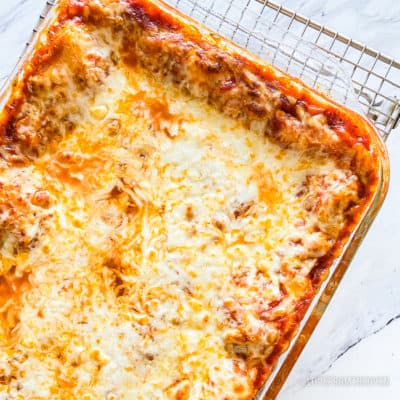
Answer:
[(169, 206)]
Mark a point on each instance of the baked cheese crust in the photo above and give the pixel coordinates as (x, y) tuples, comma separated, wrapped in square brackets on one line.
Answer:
[(168, 208)]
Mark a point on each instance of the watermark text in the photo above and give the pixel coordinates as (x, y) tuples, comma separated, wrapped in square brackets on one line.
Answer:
[(350, 380)]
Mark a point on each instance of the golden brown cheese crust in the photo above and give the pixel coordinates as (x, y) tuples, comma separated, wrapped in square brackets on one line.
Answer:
[(81, 154)]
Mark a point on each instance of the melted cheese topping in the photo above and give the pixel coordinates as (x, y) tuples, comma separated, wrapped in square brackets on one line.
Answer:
[(155, 248)]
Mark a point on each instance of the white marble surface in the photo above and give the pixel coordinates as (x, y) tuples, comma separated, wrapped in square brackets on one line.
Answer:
[(359, 334)]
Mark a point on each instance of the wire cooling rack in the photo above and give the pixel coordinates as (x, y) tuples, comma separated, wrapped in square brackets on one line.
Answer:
[(344, 69)]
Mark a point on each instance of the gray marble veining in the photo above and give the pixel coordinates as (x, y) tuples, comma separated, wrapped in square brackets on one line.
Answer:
[(371, 22), (359, 333)]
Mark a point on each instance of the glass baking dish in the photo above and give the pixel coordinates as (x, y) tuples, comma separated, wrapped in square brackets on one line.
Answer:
[(319, 70)]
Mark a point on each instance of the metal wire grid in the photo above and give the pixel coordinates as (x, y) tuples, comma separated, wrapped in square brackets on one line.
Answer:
[(283, 38), (376, 77), (344, 69), (305, 48)]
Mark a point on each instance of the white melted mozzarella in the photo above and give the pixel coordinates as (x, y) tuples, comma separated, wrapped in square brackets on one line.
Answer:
[(158, 202)]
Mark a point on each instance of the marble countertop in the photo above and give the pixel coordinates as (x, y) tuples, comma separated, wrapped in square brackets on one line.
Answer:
[(355, 350)]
